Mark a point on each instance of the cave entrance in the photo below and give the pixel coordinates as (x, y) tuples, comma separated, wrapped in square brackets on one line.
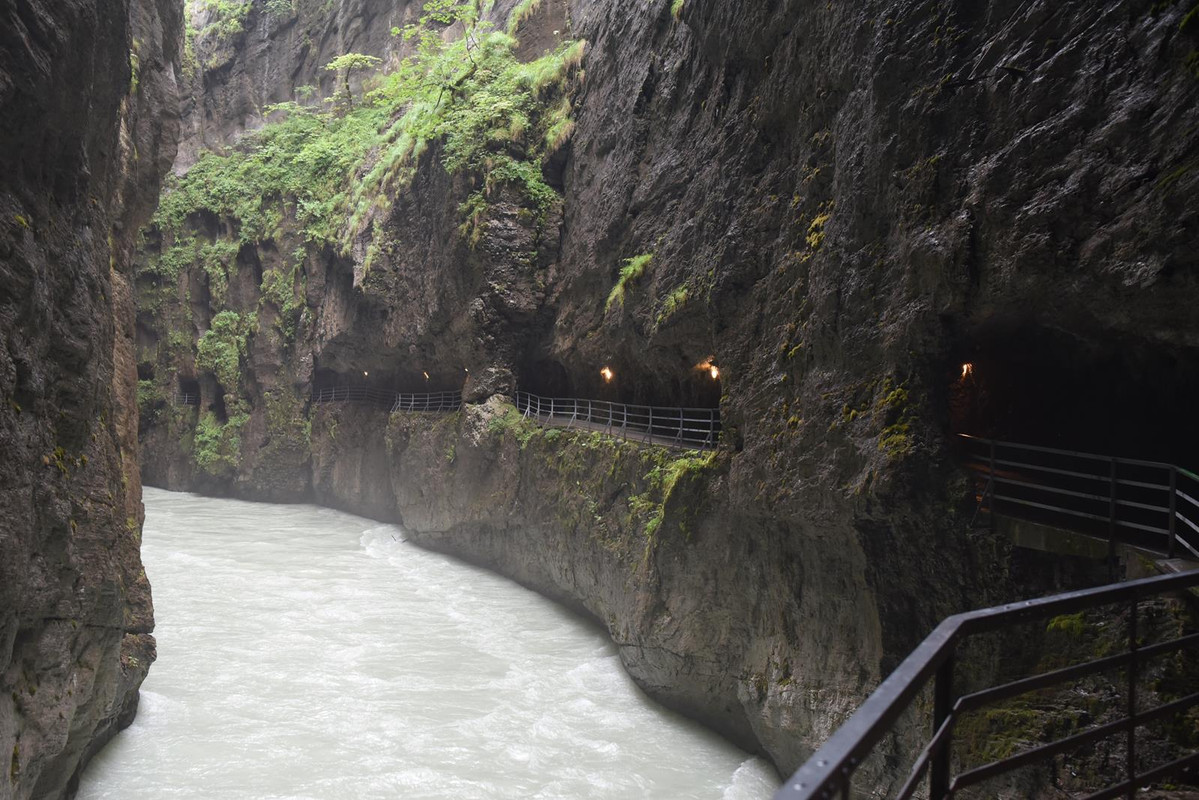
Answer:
[(1119, 396), (545, 378), (389, 382), (187, 391)]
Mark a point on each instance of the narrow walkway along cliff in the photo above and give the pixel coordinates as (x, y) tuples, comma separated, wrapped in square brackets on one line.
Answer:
[(851, 231)]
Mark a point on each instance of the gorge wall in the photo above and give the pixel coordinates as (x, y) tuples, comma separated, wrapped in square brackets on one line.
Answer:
[(838, 204), (88, 123)]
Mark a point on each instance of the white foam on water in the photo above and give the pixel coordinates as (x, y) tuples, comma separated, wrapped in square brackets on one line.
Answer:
[(306, 653)]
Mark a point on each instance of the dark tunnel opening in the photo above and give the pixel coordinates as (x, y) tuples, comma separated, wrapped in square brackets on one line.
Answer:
[(188, 387), (618, 381), (390, 381), (1108, 395)]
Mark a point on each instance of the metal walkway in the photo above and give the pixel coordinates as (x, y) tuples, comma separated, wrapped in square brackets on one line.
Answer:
[(439, 402), (691, 428), (1146, 504), (934, 772)]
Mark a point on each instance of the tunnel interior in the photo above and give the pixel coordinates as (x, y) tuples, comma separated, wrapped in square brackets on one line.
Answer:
[(622, 380), (1105, 394), (395, 380), (189, 386)]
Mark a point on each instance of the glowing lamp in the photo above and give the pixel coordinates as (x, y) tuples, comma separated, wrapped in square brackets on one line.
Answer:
[(426, 376), (967, 370), (608, 374), (714, 371), (365, 373)]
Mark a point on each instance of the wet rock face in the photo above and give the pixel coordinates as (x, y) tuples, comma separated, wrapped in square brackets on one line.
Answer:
[(237, 64), (83, 144), (841, 205)]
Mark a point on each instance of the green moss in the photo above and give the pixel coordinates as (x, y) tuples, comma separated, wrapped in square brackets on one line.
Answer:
[(1177, 175), (217, 447), (148, 396), (513, 423), (632, 271), (662, 481), (1190, 21), (674, 302), (1070, 624), (523, 10), (222, 347), (227, 18), (676, 8), (898, 414), (495, 119), (219, 261), (815, 237), (278, 288)]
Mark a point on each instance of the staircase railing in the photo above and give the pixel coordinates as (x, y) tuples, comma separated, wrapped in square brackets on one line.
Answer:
[(1149, 504), (830, 771), (697, 428), (186, 399)]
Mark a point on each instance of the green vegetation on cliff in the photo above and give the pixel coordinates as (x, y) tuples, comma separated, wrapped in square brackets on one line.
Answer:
[(221, 348), (495, 119)]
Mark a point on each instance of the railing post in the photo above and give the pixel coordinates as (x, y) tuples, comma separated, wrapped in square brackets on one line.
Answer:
[(938, 771), (990, 487), (1132, 698), (650, 430), (1111, 521), (682, 416), (1172, 525)]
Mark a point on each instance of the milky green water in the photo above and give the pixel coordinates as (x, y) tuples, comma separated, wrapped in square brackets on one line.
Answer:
[(307, 653)]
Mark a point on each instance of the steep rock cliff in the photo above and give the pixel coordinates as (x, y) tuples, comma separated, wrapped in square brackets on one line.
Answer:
[(87, 129), (841, 205)]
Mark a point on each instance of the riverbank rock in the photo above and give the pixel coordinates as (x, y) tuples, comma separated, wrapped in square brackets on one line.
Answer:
[(87, 129)]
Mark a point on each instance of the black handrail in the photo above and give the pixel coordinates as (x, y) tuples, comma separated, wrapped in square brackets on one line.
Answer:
[(693, 428), (1150, 504), (829, 772), (429, 401)]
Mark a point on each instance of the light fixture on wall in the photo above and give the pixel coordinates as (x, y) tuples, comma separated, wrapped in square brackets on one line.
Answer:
[(708, 365), (607, 374), (967, 370), (426, 376), (365, 373)]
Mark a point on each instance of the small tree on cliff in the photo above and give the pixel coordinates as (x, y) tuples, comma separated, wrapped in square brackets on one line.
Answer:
[(426, 34), (348, 63)]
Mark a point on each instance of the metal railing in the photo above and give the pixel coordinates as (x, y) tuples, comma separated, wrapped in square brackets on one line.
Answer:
[(429, 401), (1148, 504), (186, 399), (830, 771), (697, 428), (437, 401)]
